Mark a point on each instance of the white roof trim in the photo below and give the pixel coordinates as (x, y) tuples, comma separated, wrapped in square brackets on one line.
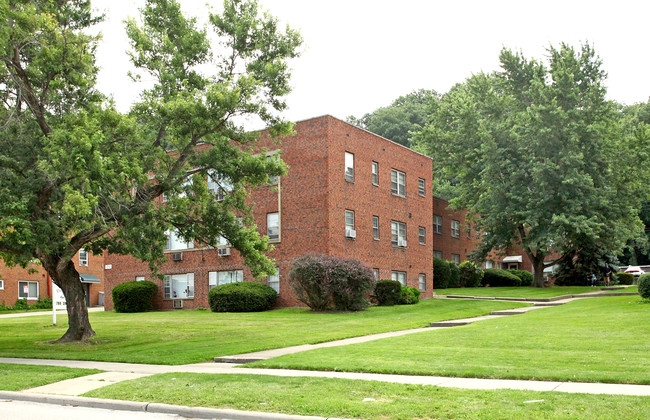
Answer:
[(513, 258)]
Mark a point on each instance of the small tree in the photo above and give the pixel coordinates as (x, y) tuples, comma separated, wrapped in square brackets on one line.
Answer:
[(454, 275), (470, 274), (441, 274), (644, 286)]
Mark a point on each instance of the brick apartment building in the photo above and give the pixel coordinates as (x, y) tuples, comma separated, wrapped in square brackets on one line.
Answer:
[(33, 283), (348, 193)]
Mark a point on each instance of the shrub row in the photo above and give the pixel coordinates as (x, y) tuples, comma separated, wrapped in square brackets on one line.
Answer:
[(495, 277), (644, 286), (446, 274), (625, 278), (245, 296), (134, 296)]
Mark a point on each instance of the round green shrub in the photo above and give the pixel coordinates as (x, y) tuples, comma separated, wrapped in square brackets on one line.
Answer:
[(454, 275), (495, 277), (134, 296), (625, 278), (21, 304), (441, 274), (644, 286), (470, 274), (409, 295), (388, 292), (525, 276), (245, 296)]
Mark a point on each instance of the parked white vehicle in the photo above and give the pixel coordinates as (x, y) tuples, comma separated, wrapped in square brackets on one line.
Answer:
[(635, 270)]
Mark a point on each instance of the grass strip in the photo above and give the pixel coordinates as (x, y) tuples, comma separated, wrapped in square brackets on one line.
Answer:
[(517, 292), (592, 340), (366, 399), (19, 377)]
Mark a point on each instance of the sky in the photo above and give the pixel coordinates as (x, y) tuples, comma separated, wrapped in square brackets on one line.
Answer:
[(359, 55)]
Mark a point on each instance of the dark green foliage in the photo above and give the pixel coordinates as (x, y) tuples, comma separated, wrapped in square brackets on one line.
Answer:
[(245, 296), (470, 274), (325, 282), (45, 303), (441, 274), (388, 292), (21, 304), (625, 278), (644, 286), (454, 275), (525, 276), (134, 296), (409, 295), (495, 277)]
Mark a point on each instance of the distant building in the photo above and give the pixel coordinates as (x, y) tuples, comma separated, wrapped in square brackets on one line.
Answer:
[(348, 193)]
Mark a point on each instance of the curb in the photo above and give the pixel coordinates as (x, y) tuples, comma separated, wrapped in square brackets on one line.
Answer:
[(180, 410)]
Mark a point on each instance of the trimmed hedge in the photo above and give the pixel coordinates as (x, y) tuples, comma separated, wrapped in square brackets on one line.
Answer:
[(470, 274), (495, 277), (644, 286), (409, 295), (525, 276), (134, 296), (247, 296), (388, 292), (441, 274), (454, 275), (625, 278)]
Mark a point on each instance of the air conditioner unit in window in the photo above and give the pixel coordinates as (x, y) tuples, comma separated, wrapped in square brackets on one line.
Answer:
[(177, 256), (178, 304), (401, 242), (350, 233), (223, 252)]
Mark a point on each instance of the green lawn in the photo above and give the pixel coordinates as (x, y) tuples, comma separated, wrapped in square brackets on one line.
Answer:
[(345, 398), (182, 337), (517, 292), (19, 377), (629, 289), (595, 340)]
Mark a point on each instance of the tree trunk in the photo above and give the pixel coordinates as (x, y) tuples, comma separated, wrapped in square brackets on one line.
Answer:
[(538, 269), (79, 328)]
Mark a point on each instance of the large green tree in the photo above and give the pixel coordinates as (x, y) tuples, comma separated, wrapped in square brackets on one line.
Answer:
[(395, 122), (78, 174), (541, 155)]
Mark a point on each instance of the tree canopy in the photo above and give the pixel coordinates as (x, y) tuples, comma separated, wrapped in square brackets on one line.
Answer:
[(541, 155), (79, 174)]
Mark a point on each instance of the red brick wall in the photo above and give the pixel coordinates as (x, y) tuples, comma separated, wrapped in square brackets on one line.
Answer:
[(312, 199), (445, 242)]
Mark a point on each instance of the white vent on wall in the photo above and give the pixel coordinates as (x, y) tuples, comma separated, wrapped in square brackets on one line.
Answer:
[(177, 256), (178, 304), (350, 233), (401, 242), (223, 252)]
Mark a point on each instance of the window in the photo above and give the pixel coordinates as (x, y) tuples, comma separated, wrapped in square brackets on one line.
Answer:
[(349, 167), (422, 282), (217, 278), (273, 179), (375, 227), (421, 187), (273, 226), (399, 276), (375, 272), (219, 186), (273, 280), (398, 183), (422, 236), (2, 284), (398, 233), (179, 286), (489, 264), (139, 278), (468, 229), (437, 254), (28, 290), (455, 228), (83, 258), (222, 242), (349, 220), (455, 258), (174, 242), (375, 173), (437, 224)]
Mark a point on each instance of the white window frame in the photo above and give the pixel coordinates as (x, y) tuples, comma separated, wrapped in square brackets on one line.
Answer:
[(375, 173), (375, 227), (488, 264), (398, 183), (437, 254), (399, 276), (219, 186), (349, 167), (273, 280), (375, 272), (397, 232), (175, 243), (437, 224), (422, 235), (2, 284), (217, 278), (273, 226), (172, 286), (139, 278), (422, 189), (455, 258), (455, 228), (422, 282), (22, 284), (349, 219), (83, 258)]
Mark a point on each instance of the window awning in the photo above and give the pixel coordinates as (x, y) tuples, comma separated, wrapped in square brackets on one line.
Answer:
[(89, 278), (512, 259)]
